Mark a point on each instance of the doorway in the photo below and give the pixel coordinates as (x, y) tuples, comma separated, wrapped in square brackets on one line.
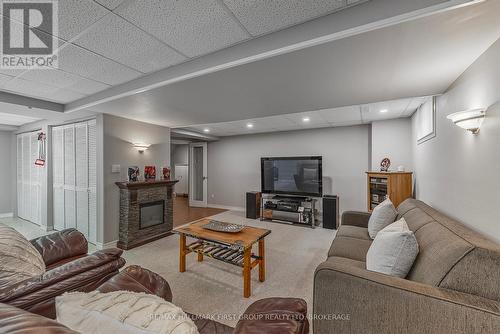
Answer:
[(189, 166), (198, 193), (179, 160)]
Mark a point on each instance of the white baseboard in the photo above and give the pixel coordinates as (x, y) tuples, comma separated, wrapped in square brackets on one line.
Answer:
[(225, 207), (111, 244), (7, 215)]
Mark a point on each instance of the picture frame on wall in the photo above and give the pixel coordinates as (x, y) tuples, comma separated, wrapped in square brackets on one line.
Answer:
[(426, 121)]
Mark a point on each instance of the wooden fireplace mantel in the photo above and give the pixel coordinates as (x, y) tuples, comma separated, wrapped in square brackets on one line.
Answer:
[(146, 184)]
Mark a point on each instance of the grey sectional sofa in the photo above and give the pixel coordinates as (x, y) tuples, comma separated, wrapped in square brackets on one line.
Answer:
[(453, 286)]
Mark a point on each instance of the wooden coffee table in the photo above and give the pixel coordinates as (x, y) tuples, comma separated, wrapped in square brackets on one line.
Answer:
[(233, 248)]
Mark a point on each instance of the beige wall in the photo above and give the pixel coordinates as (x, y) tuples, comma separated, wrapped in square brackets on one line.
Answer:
[(234, 162), (457, 172), (118, 136), (392, 139)]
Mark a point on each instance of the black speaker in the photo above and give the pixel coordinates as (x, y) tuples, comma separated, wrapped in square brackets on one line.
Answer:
[(253, 204), (331, 212)]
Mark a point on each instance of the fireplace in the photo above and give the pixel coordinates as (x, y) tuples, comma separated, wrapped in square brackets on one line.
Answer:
[(146, 212), (151, 214)]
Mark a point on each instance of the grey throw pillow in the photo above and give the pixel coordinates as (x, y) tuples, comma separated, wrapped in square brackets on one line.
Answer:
[(393, 251), (383, 215)]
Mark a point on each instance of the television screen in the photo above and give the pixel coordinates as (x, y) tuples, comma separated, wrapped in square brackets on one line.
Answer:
[(293, 176)]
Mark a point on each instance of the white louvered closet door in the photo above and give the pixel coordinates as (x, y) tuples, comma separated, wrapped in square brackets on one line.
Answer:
[(74, 175), (58, 177), (28, 178), (69, 177), (34, 185), (81, 176), (92, 179), (19, 171)]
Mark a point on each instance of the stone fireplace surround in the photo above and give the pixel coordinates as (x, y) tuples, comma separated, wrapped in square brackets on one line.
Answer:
[(132, 196)]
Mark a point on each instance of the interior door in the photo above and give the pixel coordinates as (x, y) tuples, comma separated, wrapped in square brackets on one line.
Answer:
[(28, 178), (198, 174), (74, 156)]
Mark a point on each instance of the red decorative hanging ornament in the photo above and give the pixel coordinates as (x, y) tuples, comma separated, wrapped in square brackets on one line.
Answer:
[(42, 139)]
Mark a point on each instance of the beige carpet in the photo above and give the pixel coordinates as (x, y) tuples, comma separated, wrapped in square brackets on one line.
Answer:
[(214, 288)]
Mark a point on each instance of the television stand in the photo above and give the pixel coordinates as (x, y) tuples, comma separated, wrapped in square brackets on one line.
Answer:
[(291, 198), (289, 209)]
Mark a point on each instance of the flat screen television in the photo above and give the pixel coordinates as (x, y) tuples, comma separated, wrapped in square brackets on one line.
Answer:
[(301, 176)]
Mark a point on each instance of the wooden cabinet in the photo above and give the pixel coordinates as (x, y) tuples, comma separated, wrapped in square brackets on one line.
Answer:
[(398, 186)]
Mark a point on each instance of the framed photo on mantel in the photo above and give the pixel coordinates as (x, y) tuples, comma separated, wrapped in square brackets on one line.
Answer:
[(149, 173), (133, 174)]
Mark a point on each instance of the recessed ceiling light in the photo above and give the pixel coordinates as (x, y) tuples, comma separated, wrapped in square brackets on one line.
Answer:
[(206, 130), (249, 125), (306, 119), (383, 111)]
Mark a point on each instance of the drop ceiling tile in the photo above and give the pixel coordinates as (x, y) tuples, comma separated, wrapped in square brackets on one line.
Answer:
[(77, 15), (264, 16), (395, 109), (4, 79), (259, 124), (12, 73), (315, 119), (191, 26), (89, 65), (110, 4), (337, 124), (115, 38), (63, 96), (340, 115), (275, 122), (65, 80), (29, 88), (16, 120)]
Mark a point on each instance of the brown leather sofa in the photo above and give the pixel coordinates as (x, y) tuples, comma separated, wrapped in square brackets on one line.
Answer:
[(453, 286), (69, 268), (270, 316)]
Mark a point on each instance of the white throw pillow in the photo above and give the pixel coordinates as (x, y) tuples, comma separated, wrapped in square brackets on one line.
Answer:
[(19, 259), (393, 251), (382, 216), (121, 312)]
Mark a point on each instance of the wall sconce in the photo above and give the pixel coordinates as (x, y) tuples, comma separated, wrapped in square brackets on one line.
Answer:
[(141, 147), (469, 120)]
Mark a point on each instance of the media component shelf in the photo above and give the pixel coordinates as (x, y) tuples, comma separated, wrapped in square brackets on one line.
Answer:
[(289, 209), (394, 185)]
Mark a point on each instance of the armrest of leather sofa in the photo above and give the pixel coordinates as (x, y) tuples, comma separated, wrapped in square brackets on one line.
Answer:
[(355, 218), (275, 316), (16, 321), (85, 274), (138, 279), (350, 299), (61, 247)]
